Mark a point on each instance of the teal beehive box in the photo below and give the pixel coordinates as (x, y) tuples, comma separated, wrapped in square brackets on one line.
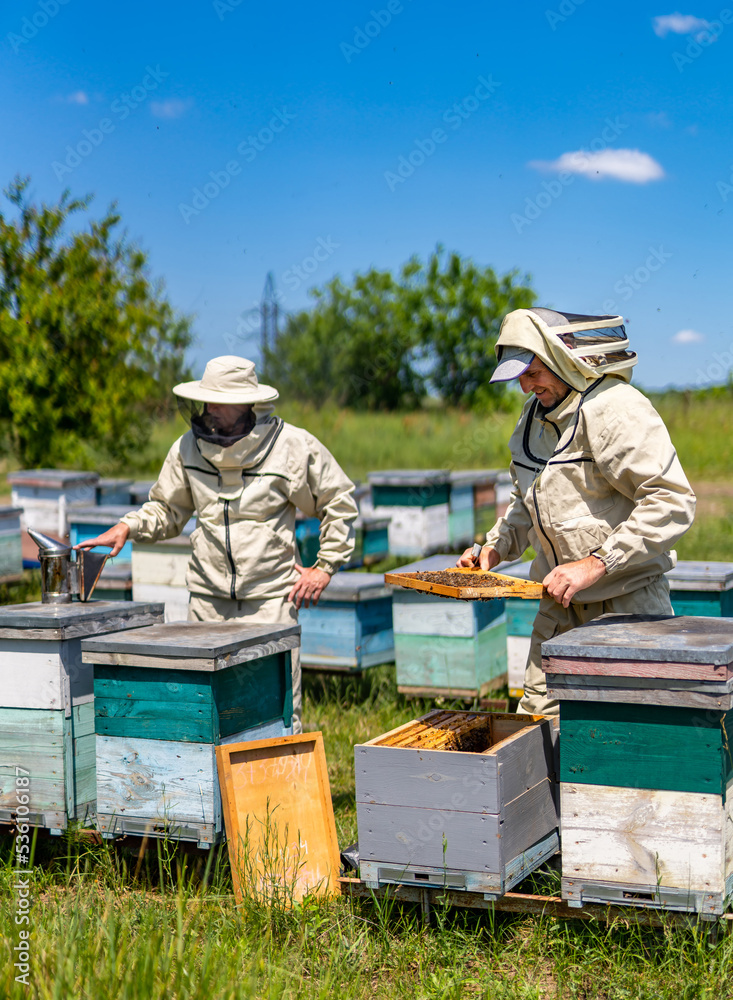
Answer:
[(164, 701), (702, 588)]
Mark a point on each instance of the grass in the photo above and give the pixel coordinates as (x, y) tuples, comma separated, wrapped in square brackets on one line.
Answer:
[(171, 929)]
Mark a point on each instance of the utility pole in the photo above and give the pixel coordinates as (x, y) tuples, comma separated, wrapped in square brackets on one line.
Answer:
[(268, 316)]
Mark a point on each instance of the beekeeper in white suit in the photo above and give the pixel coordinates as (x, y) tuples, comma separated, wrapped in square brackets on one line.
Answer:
[(598, 490), (244, 471)]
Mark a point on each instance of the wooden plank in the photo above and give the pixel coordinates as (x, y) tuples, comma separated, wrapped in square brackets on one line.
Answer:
[(460, 694), (524, 758), (610, 681), (643, 836), (528, 818), (478, 586), (279, 816), (593, 667), (34, 740), (620, 744), (517, 903), (637, 696), (49, 622), (157, 781)]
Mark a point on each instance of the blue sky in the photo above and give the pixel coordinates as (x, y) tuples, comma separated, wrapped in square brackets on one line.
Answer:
[(586, 144)]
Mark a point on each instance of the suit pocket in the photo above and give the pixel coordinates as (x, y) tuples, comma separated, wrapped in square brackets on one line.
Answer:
[(577, 538)]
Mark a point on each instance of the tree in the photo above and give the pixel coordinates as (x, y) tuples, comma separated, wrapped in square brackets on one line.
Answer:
[(89, 346), (382, 341)]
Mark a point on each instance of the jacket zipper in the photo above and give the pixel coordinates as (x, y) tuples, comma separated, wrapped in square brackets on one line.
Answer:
[(233, 588), (539, 522)]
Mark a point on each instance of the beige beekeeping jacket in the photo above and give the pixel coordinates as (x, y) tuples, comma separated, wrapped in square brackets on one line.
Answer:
[(596, 474), (245, 497)]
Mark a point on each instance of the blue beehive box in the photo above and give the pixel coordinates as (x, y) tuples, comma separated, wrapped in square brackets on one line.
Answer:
[(350, 628), (444, 647), (114, 492)]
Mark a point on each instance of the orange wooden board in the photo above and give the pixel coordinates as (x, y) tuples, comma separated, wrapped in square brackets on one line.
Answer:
[(281, 832), (479, 586)]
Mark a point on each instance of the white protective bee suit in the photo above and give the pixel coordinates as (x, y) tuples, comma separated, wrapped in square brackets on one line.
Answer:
[(245, 496), (597, 474)]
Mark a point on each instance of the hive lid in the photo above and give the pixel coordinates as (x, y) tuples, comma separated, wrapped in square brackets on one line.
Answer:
[(656, 638), (51, 478), (201, 641), (68, 621), (96, 514), (409, 477), (352, 586), (472, 477), (691, 575)]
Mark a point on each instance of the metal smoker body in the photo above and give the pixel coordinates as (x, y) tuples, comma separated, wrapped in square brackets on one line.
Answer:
[(62, 576)]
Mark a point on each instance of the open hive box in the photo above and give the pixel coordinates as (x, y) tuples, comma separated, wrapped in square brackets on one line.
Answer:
[(466, 584), (464, 800)]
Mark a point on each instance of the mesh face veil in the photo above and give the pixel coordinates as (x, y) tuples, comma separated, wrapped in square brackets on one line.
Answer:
[(599, 341), (220, 428)]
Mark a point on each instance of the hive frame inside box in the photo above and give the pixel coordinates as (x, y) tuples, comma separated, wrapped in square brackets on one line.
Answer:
[(168, 787), (466, 820)]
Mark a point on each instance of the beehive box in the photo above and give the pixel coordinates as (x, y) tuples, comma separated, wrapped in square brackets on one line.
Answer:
[(159, 572), (417, 503), (47, 698), (114, 492), (11, 550), (461, 518), (350, 628), (520, 616), (308, 538), (47, 494), (444, 647), (461, 800), (645, 760), (375, 538), (165, 698), (702, 589)]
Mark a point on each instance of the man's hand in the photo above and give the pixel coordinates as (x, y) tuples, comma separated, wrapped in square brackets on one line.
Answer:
[(115, 538), (309, 587), (564, 582), (487, 560)]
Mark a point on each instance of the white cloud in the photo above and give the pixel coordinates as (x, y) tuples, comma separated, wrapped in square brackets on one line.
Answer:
[(688, 337), (679, 24), (628, 165), (172, 108), (78, 97)]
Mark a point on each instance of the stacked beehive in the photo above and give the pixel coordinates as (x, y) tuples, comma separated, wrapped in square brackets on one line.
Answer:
[(444, 647), (47, 714), (645, 760), (702, 588), (159, 572), (417, 503), (460, 800), (46, 495), (461, 508), (11, 550), (350, 628), (165, 698)]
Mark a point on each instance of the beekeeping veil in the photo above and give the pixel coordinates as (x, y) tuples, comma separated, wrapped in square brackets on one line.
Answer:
[(578, 349), (229, 381)]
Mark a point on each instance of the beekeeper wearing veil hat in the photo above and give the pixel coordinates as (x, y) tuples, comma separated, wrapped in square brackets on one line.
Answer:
[(599, 492), (244, 471)]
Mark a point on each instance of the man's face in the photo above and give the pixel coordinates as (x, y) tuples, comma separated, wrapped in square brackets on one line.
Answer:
[(226, 415), (548, 388)]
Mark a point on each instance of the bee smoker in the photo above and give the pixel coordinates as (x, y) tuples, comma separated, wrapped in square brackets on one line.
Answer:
[(62, 576)]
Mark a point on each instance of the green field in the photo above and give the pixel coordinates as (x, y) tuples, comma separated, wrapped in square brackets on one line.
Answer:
[(98, 929)]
